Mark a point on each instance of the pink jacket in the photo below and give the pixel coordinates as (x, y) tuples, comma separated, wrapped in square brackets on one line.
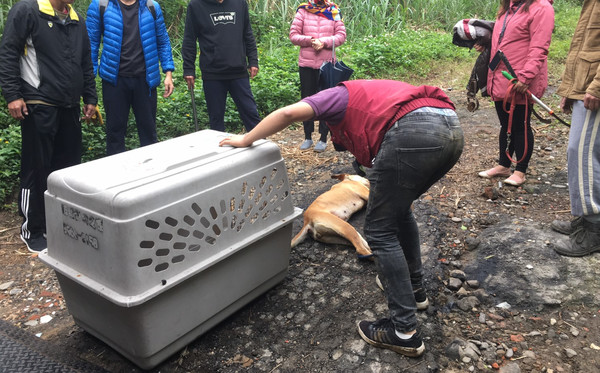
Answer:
[(525, 43), (307, 26)]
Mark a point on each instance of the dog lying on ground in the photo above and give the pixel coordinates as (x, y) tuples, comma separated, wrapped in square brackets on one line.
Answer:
[(326, 218)]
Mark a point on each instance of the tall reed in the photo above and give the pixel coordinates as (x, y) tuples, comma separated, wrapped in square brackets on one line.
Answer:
[(371, 17)]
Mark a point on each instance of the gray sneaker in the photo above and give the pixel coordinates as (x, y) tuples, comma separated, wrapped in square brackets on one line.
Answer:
[(320, 147), (306, 144), (566, 227)]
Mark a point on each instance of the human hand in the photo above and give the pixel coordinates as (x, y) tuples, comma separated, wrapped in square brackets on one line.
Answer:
[(521, 87), (253, 71), (237, 141), (190, 81), (169, 87), (566, 105), (317, 44), (90, 112), (590, 102), (478, 47), (18, 109)]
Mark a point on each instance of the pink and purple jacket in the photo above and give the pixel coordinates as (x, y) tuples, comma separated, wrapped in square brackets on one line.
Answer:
[(307, 26), (525, 43)]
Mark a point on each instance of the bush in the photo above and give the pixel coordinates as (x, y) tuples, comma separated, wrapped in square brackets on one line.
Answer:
[(10, 159)]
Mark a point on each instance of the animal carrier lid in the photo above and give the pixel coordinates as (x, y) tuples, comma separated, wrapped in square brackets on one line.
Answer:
[(128, 184)]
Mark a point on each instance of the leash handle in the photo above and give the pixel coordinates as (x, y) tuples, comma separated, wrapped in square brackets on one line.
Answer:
[(535, 99)]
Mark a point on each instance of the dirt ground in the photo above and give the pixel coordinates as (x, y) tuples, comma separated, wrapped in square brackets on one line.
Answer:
[(307, 322)]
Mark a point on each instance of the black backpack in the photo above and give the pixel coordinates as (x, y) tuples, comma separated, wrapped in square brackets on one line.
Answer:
[(104, 3)]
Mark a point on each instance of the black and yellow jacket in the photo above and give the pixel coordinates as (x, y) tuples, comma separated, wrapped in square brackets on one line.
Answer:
[(43, 59)]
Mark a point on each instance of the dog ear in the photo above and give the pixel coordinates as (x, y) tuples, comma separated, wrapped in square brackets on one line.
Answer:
[(339, 176)]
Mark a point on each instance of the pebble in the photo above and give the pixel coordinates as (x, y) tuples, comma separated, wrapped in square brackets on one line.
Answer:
[(570, 352), (15, 291), (45, 319), (574, 331), (504, 305), (473, 284), (454, 284), (456, 219), (6, 285), (510, 368), (457, 273)]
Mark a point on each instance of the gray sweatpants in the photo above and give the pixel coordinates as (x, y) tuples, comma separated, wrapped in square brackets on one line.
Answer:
[(583, 160)]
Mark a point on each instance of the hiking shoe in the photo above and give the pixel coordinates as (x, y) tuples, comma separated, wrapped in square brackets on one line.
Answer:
[(420, 295), (306, 144), (35, 245), (566, 227), (382, 334), (583, 241), (320, 147)]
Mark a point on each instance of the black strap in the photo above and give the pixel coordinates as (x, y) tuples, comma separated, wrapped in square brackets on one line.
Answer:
[(506, 22), (104, 3)]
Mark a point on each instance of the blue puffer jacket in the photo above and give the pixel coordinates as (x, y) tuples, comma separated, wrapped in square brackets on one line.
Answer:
[(155, 41)]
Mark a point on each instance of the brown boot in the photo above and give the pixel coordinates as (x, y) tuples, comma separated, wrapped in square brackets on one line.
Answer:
[(583, 241), (567, 227)]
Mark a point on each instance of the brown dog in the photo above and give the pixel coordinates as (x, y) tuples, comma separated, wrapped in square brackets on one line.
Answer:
[(326, 218)]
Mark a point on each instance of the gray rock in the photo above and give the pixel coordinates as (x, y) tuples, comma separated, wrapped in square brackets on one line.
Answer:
[(454, 284), (570, 352), (471, 243), (457, 273), (6, 285), (468, 303), (511, 367)]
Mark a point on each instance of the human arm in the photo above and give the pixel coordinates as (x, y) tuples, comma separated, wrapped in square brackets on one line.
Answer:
[(165, 53), (592, 94), (339, 36), (251, 50), (271, 124), (297, 36), (189, 47), (94, 30), (89, 94), (540, 36), (17, 28)]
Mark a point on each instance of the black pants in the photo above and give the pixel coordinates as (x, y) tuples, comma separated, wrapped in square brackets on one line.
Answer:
[(215, 94), (50, 140), (129, 93), (309, 85), (518, 146)]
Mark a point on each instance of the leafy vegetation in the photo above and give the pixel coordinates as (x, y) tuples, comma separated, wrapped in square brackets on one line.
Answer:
[(395, 39)]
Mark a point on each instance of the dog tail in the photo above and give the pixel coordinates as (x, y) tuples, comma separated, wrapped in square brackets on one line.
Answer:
[(301, 235)]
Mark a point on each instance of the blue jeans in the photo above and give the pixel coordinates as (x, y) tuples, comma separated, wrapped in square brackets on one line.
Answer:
[(416, 152)]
